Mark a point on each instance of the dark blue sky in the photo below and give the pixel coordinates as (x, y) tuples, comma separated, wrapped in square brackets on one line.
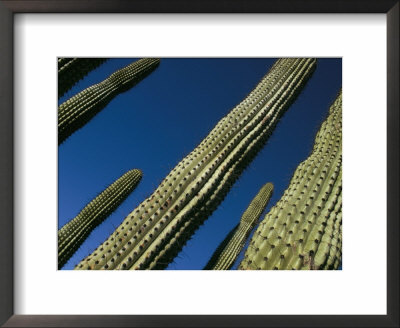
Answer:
[(156, 123)]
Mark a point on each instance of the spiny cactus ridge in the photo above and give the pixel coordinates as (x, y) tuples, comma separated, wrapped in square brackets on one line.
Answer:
[(78, 110), (73, 234), (71, 70), (227, 252), (304, 229), (162, 223)]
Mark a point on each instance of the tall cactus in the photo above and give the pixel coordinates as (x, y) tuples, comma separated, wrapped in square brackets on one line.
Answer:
[(78, 110), (71, 70), (161, 224), (304, 229), (227, 252), (73, 234)]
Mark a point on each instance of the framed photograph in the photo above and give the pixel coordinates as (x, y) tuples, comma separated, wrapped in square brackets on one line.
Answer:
[(151, 80)]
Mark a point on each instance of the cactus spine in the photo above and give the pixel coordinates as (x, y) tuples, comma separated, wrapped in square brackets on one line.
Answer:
[(73, 234), (71, 70), (160, 224), (78, 110), (227, 252), (304, 229)]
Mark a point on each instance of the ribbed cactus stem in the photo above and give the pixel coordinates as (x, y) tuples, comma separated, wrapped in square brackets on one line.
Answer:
[(303, 230), (227, 252), (71, 70), (78, 110), (73, 234), (161, 224)]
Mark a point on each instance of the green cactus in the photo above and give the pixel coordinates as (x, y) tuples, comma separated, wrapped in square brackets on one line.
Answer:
[(304, 229), (71, 70), (78, 110), (73, 234), (227, 252), (160, 225)]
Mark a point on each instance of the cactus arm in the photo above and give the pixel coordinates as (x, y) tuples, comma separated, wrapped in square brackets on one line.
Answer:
[(246, 157), (204, 175), (78, 110), (246, 154), (167, 252), (237, 167), (63, 62), (217, 253), (227, 252), (303, 230), (71, 70), (73, 234)]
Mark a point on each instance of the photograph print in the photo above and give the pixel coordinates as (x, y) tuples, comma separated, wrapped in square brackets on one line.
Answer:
[(199, 163)]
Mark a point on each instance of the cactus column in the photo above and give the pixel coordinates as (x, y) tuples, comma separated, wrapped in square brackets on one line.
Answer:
[(71, 70), (73, 234), (160, 225), (304, 229), (227, 252), (78, 110)]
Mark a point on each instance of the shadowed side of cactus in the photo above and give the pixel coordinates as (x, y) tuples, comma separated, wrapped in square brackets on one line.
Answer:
[(78, 110), (73, 234), (71, 70), (227, 252), (158, 228), (304, 229)]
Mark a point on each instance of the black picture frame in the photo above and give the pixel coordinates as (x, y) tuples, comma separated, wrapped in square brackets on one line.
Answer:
[(10, 7)]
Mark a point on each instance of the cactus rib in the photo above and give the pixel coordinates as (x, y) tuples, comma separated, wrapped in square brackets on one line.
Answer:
[(78, 110), (71, 70), (303, 230), (158, 225), (73, 234), (229, 249)]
